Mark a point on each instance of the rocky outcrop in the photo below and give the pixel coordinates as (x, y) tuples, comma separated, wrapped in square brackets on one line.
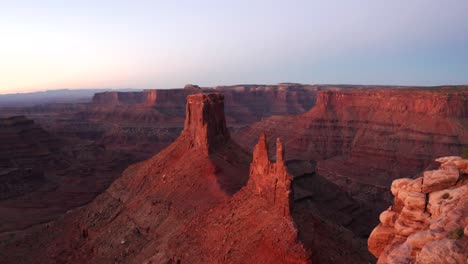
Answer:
[(271, 180), (427, 222)]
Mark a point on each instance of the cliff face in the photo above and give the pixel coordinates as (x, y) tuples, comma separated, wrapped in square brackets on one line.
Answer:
[(427, 222), (363, 139), (156, 203), (244, 103), (205, 123), (150, 120)]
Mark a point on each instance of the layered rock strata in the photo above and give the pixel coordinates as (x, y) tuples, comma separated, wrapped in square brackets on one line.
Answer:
[(427, 222), (363, 139)]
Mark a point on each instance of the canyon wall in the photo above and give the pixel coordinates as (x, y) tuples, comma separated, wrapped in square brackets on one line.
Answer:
[(363, 139), (146, 122), (256, 100)]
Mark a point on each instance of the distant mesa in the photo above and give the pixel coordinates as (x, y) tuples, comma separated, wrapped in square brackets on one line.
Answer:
[(191, 87)]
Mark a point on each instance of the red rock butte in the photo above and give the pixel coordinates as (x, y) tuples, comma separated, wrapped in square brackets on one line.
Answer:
[(205, 123)]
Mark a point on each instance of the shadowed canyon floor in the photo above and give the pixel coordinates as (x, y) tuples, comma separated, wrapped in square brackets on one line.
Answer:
[(43, 176)]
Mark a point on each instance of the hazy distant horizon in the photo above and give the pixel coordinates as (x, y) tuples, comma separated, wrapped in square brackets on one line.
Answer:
[(219, 85), (53, 44)]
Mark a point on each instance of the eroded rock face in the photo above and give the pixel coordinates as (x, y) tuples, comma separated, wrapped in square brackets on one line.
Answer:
[(270, 179), (364, 139), (426, 224), (254, 226), (150, 120), (205, 123)]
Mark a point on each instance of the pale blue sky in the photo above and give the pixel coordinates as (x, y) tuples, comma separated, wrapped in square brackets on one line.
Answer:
[(162, 44)]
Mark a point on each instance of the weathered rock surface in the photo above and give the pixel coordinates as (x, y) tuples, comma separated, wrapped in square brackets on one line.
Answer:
[(205, 123), (271, 180), (425, 225)]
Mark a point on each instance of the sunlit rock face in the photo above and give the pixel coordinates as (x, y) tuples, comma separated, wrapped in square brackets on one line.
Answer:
[(427, 222), (363, 139)]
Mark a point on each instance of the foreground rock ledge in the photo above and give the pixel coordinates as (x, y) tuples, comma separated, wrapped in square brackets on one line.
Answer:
[(428, 221)]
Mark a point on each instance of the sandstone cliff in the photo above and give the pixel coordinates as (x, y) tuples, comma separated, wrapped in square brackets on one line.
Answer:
[(241, 100), (428, 221), (363, 139), (150, 120)]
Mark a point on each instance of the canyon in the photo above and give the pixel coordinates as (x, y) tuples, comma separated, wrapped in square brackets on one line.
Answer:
[(364, 139), (312, 194), (145, 122), (157, 207)]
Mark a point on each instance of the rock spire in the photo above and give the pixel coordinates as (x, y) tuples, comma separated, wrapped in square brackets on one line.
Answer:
[(270, 179)]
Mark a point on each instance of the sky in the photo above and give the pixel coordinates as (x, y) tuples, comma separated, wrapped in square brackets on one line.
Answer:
[(54, 44)]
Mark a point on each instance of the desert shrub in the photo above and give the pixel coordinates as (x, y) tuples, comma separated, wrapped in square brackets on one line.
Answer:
[(445, 196)]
